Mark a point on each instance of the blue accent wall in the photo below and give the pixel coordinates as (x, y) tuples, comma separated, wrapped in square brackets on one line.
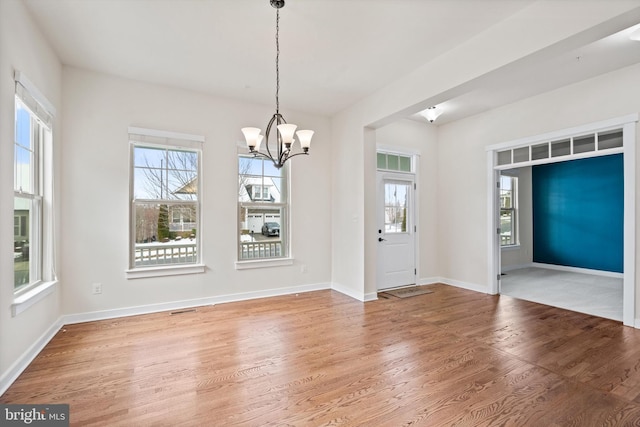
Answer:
[(578, 213)]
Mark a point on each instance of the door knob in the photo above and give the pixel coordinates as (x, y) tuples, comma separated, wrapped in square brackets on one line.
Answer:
[(380, 239)]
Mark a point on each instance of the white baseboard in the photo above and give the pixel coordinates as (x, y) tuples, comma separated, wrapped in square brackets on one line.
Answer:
[(506, 268), (578, 270), (14, 371), (429, 280), (23, 362), (516, 267), (360, 296), (179, 305), (464, 285)]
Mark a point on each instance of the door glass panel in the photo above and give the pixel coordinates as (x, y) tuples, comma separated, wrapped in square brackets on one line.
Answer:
[(396, 202)]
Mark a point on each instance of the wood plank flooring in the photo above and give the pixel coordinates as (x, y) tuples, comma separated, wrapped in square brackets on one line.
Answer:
[(452, 357)]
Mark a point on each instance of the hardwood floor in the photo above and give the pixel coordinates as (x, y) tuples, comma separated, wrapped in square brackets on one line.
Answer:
[(452, 357)]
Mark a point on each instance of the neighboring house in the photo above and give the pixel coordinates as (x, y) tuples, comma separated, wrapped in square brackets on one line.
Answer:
[(257, 189)]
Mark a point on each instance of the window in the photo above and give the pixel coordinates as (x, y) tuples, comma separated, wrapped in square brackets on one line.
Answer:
[(508, 211), (396, 200), (165, 201), (394, 162), (32, 206), (263, 208)]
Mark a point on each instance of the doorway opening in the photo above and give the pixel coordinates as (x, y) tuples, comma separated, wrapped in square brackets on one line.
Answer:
[(607, 138)]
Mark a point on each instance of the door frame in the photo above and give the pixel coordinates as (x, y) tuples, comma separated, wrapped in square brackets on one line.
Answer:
[(415, 157), (628, 125)]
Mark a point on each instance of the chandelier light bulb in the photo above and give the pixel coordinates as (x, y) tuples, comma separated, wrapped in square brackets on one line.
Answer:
[(304, 136)]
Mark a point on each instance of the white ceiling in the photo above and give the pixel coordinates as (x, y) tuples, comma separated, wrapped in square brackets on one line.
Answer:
[(333, 52)]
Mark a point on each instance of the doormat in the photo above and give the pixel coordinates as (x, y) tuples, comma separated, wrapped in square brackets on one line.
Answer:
[(409, 292)]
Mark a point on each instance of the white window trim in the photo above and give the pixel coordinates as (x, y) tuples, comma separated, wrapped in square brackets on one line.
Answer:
[(516, 214), (263, 263), (172, 143), (24, 300), (164, 270), (30, 295), (246, 264)]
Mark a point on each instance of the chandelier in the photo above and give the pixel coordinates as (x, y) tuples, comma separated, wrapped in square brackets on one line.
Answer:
[(284, 132)]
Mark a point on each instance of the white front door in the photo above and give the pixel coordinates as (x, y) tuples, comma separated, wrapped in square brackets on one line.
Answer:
[(396, 230)]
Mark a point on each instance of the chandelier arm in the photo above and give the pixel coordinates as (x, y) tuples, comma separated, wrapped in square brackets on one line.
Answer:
[(268, 132), (303, 153)]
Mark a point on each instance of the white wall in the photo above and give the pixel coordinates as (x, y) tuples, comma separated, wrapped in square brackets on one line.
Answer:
[(461, 148), (22, 47), (420, 137), (97, 111), (531, 30)]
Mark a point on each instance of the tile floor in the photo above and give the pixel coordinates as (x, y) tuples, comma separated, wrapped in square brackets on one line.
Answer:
[(585, 293)]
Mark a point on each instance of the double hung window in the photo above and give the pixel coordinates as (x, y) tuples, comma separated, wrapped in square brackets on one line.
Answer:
[(32, 186), (263, 209), (165, 199), (508, 211)]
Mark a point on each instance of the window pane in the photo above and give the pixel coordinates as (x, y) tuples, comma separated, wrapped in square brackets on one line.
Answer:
[(382, 161), (508, 210), (405, 164), (540, 151), (396, 200), (165, 234), (392, 162), (612, 139), (23, 168), (504, 157), (23, 130), (22, 214), (521, 155), (165, 174), (506, 227), (584, 144), (261, 233), (560, 148)]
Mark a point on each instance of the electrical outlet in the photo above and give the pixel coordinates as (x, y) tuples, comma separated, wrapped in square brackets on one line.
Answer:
[(97, 288)]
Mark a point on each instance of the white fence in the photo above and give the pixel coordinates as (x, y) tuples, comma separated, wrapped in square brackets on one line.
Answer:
[(165, 253), (261, 249)]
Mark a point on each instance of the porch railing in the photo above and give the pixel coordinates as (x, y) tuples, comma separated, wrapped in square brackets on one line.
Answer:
[(261, 249), (165, 253)]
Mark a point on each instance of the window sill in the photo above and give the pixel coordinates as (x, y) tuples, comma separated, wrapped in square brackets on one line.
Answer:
[(510, 247), (173, 270), (263, 263), (29, 298)]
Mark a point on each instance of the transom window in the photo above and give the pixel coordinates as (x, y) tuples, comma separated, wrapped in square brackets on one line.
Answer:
[(263, 209), (394, 162)]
